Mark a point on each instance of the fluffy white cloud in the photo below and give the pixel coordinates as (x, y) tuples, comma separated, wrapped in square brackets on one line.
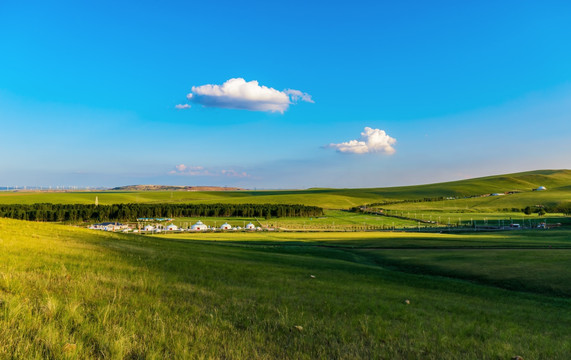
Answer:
[(247, 95), (371, 141), (185, 170), (182, 106)]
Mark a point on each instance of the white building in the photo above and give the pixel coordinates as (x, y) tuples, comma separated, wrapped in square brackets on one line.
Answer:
[(225, 226), (541, 188), (250, 226), (172, 227), (199, 226), (149, 228), (109, 226)]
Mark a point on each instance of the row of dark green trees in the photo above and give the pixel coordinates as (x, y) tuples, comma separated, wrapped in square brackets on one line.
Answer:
[(130, 212)]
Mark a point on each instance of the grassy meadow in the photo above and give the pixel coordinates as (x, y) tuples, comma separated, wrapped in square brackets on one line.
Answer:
[(68, 292), (480, 218), (558, 183), (461, 208), (331, 220)]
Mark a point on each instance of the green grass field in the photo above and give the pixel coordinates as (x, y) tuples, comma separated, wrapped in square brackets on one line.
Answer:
[(331, 220), (68, 292), (492, 210), (491, 203), (491, 218), (558, 183)]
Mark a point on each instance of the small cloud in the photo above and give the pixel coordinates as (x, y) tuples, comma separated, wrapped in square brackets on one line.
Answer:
[(238, 93), (190, 171), (371, 141), (234, 173), (185, 170), (182, 106), (296, 95), (181, 167)]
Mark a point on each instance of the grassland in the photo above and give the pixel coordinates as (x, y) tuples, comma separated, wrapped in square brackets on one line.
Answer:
[(72, 293), (480, 218), (463, 208), (558, 183), (332, 220)]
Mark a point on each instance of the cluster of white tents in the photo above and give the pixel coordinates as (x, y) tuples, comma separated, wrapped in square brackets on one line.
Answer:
[(200, 226), (157, 228), (109, 226)]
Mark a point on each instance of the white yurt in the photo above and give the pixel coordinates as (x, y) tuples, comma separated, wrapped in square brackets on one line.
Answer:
[(250, 226), (172, 227), (541, 188), (225, 226), (149, 228), (199, 226)]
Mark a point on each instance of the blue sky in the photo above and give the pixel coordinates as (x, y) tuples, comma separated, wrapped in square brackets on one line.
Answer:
[(88, 92)]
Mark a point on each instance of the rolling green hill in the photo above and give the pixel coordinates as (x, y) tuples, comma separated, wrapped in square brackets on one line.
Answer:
[(558, 183)]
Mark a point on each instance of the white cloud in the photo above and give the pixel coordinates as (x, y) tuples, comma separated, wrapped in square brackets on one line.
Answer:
[(238, 93), (234, 173), (182, 106), (296, 95), (371, 141), (190, 171), (185, 170)]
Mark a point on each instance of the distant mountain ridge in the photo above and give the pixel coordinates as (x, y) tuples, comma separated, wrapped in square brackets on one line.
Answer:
[(175, 188)]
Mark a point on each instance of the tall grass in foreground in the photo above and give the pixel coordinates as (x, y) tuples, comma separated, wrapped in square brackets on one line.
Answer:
[(71, 293)]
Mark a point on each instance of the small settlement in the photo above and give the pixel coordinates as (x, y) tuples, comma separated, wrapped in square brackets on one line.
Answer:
[(158, 225)]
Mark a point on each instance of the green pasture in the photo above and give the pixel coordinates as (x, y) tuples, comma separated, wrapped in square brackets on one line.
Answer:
[(558, 183), (499, 268), (336, 199), (67, 292), (491, 203), (331, 220), (481, 218), (517, 239), (349, 221)]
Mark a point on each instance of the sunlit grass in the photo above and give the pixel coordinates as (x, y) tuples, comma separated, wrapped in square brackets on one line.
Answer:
[(70, 292)]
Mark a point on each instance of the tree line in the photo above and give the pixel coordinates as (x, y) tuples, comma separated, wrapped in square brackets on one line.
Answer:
[(130, 212)]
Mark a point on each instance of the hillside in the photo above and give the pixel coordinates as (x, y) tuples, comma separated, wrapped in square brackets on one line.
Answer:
[(524, 181), (73, 293), (558, 183)]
